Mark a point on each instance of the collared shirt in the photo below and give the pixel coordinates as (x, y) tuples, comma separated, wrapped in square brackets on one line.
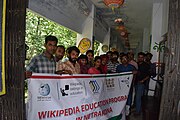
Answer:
[(69, 66), (132, 62), (143, 71), (123, 68), (111, 67), (42, 64)]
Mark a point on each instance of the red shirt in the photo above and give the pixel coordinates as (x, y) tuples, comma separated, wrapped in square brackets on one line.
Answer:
[(93, 70)]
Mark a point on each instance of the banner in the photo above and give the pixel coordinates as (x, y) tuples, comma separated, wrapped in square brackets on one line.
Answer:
[(2, 46), (77, 97)]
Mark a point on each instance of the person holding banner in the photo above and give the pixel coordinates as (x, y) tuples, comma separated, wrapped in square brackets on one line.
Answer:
[(126, 67), (45, 62), (96, 69), (71, 66)]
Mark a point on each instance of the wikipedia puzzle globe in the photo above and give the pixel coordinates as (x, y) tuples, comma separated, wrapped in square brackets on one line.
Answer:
[(44, 89)]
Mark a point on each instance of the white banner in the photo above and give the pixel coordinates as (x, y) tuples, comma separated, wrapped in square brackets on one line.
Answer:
[(77, 97)]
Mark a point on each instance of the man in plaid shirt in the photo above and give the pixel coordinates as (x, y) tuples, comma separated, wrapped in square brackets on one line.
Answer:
[(45, 62)]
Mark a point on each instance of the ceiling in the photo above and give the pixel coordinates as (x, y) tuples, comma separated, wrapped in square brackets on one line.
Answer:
[(136, 15)]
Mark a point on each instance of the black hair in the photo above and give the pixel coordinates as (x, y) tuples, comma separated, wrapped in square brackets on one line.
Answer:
[(130, 53), (51, 38), (83, 57), (96, 58), (109, 52), (151, 55), (124, 55), (115, 53), (70, 49), (61, 46), (90, 51), (141, 53)]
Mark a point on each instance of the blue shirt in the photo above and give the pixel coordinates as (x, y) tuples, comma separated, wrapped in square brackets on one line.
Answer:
[(122, 68)]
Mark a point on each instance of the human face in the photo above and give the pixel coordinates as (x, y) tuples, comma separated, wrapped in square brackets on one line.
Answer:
[(90, 56), (60, 53), (109, 55), (51, 47), (131, 56), (140, 58), (114, 57), (104, 61), (124, 60), (73, 56), (97, 63), (83, 61), (148, 58)]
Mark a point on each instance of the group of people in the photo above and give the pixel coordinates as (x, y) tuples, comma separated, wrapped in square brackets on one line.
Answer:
[(51, 61)]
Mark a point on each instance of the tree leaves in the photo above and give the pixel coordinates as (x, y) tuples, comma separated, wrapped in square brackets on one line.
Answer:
[(37, 28)]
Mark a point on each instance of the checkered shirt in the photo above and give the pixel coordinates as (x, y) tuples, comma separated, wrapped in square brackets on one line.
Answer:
[(41, 64)]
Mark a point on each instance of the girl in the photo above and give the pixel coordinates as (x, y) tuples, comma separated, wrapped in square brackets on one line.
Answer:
[(96, 69)]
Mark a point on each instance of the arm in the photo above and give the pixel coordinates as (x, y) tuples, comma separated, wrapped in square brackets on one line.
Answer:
[(143, 80), (30, 68)]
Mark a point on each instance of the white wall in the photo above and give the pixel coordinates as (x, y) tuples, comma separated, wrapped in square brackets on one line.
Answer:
[(159, 28), (88, 28), (165, 16), (146, 40), (156, 28)]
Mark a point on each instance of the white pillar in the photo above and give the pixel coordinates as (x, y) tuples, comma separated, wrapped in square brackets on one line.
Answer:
[(156, 36), (146, 40), (88, 26)]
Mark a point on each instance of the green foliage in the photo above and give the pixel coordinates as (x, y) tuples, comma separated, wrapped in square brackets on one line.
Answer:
[(37, 28)]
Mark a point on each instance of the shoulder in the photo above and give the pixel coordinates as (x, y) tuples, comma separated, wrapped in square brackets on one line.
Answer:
[(119, 65), (130, 65), (37, 57)]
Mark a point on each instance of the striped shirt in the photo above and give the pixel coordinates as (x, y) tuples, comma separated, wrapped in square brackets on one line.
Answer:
[(42, 64), (111, 67)]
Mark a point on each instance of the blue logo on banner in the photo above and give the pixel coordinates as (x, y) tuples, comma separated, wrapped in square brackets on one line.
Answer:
[(44, 89), (94, 86)]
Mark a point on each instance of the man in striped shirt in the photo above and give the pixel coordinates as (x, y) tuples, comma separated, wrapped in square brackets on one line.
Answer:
[(113, 63)]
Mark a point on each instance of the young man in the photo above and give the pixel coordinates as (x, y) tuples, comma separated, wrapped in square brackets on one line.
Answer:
[(71, 66), (44, 63), (126, 67), (113, 63), (141, 77), (59, 54)]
